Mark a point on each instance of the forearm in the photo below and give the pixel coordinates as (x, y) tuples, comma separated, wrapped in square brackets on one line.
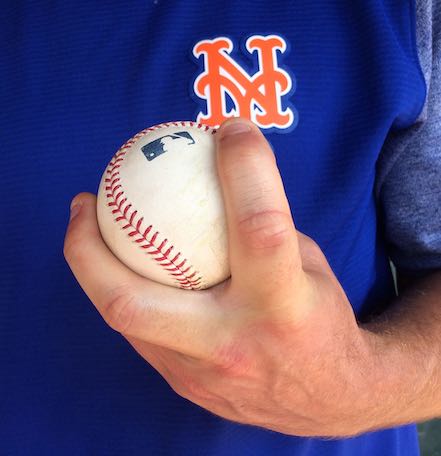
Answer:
[(406, 343)]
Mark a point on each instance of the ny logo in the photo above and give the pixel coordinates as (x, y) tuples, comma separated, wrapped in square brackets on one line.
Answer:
[(229, 90)]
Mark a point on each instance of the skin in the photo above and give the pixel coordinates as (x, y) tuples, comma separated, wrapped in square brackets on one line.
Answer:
[(277, 345)]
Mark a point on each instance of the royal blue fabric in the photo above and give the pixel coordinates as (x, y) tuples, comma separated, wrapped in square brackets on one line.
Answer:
[(77, 80)]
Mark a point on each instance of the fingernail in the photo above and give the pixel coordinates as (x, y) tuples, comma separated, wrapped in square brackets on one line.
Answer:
[(75, 208), (234, 128)]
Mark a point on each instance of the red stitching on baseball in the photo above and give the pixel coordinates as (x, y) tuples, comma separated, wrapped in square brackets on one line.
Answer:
[(184, 277)]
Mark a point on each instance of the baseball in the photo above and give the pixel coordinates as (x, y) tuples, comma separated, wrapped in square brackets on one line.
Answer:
[(160, 208)]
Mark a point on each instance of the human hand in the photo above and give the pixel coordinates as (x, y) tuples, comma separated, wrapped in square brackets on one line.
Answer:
[(277, 345)]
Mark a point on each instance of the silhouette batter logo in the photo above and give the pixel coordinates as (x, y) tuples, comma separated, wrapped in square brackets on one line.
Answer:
[(159, 146), (261, 97)]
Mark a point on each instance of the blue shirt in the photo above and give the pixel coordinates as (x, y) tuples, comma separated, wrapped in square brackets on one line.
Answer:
[(79, 79)]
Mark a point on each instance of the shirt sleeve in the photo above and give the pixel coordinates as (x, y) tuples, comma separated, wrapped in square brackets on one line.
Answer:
[(408, 187)]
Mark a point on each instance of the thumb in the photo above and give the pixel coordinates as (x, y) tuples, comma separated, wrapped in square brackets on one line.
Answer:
[(263, 244)]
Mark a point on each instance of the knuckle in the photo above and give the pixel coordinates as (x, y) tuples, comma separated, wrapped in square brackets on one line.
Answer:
[(266, 229), (120, 310)]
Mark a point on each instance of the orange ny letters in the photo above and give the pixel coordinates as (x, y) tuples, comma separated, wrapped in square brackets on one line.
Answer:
[(257, 97)]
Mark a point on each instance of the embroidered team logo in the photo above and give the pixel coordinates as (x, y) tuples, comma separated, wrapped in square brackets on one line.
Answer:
[(228, 90)]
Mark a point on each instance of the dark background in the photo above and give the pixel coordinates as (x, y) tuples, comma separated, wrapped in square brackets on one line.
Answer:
[(430, 438)]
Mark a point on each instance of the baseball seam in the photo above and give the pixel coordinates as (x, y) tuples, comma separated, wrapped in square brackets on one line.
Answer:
[(149, 239)]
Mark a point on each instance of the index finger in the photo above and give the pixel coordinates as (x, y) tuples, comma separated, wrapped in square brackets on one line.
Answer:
[(190, 322)]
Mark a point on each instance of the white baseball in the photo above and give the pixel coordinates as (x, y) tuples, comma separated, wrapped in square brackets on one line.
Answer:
[(160, 208)]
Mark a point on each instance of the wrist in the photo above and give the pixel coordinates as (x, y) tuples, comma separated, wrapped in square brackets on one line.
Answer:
[(400, 377)]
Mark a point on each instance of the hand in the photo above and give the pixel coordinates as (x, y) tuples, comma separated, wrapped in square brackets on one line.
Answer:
[(277, 345)]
